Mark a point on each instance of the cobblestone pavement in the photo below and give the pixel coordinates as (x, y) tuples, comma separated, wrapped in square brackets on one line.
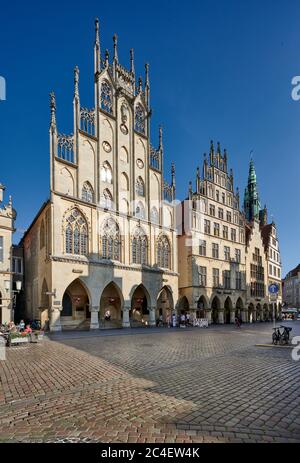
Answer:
[(160, 385)]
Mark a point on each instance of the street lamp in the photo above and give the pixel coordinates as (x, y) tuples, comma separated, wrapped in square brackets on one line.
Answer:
[(18, 285)]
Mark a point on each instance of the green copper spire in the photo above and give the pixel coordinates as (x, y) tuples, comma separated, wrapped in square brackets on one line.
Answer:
[(251, 199)]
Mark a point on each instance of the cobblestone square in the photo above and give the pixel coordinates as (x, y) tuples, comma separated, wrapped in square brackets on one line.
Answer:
[(152, 385)]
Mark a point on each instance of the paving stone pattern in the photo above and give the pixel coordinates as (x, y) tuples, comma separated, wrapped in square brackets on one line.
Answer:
[(160, 385)]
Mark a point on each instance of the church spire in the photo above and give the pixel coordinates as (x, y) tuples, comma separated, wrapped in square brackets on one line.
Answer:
[(251, 199), (97, 51)]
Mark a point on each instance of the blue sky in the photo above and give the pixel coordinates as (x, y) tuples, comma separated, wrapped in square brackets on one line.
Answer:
[(219, 70)]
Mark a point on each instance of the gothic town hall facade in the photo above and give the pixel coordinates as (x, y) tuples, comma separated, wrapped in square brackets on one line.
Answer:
[(106, 240)]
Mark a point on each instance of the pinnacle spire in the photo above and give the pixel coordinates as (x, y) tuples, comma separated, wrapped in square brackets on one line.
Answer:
[(106, 58), (76, 82), (53, 110), (160, 145), (140, 87), (147, 84), (97, 51), (115, 39), (132, 61)]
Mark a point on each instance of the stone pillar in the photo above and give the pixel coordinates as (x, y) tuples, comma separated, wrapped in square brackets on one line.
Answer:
[(94, 318), (244, 315), (232, 316), (126, 321), (221, 317), (55, 319), (208, 316), (152, 316), (254, 316), (261, 315)]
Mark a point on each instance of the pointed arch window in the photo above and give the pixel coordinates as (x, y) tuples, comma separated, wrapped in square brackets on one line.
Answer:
[(106, 97), (163, 252), (139, 247), (140, 211), (139, 119), (87, 193), (140, 187), (154, 215), (111, 242), (76, 234), (106, 199), (106, 173)]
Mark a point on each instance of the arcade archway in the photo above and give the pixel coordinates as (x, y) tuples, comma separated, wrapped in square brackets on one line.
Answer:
[(215, 307), (165, 304), (75, 303), (201, 307), (239, 306), (111, 303), (227, 310), (140, 305)]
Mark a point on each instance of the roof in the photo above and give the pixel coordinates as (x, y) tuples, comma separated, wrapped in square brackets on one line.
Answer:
[(294, 272), (34, 220), (266, 231)]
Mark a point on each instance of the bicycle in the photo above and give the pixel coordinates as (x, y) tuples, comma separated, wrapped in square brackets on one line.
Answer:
[(281, 337)]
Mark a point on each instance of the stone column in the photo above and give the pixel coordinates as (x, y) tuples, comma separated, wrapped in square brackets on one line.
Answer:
[(126, 321), (55, 319), (221, 317), (244, 315), (254, 316), (232, 316), (94, 318), (152, 316), (208, 315)]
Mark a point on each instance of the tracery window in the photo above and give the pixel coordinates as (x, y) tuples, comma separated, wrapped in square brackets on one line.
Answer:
[(111, 242), (154, 215), (87, 193), (76, 234), (140, 187), (140, 211), (139, 247), (163, 252), (106, 97), (106, 173), (139, 119), (106, 199)]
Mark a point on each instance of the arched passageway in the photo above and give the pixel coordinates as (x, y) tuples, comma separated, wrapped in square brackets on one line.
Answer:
[(75, 305), (239, 306), (165, 304), (227, 310), (140, 306), (111, 305), (201, 307), (258, 313), (251, 315), (215, 307)]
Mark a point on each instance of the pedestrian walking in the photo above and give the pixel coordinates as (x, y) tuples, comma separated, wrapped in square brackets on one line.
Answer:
[(237, 322)]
